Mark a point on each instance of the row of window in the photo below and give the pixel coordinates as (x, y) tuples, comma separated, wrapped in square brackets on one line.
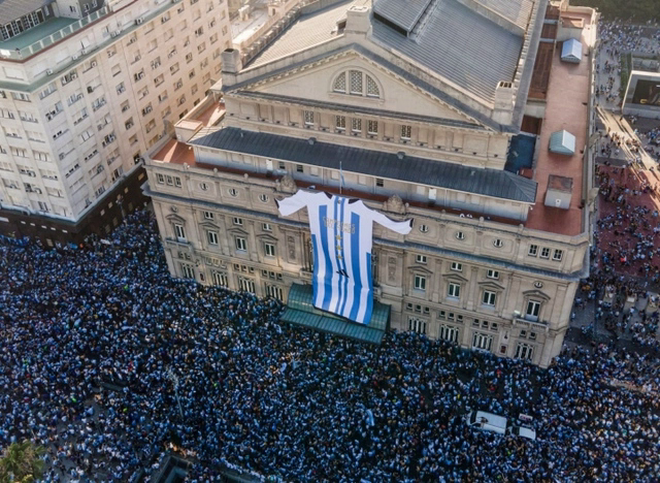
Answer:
[(480, 341), (20, 25), (557, 254), (168, 180), (488, 297), (240, 242), (357, 125), (221, 279), (209, 215)]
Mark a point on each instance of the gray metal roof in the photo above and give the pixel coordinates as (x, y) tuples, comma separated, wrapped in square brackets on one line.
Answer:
[(404, 13), (310, 29), (449, 37), (460, 45), (13, 9), (487, 182), (515, 11)]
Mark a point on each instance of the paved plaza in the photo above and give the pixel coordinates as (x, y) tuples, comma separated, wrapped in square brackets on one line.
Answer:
[(627, 252)]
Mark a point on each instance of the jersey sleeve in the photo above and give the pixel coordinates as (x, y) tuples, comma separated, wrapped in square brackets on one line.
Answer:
[(300, 200), (402, 227)]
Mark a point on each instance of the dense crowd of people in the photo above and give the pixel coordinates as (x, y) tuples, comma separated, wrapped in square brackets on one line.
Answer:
[(617, 38), (108, 362)]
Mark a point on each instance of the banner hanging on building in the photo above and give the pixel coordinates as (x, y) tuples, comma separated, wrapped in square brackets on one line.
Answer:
[(342, 232)]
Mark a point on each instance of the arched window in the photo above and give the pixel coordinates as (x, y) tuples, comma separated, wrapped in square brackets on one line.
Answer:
[(356, 83)]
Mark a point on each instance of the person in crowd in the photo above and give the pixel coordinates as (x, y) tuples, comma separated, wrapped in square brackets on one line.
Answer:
[(109, 363)]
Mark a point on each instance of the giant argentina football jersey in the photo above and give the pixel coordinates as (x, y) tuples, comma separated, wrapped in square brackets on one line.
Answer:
[(341, 240)]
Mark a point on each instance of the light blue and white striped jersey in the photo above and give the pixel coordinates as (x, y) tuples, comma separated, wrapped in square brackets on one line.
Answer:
[(342, 232)]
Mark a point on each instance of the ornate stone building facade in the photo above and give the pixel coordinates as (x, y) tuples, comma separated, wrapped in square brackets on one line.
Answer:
[(361, 101)]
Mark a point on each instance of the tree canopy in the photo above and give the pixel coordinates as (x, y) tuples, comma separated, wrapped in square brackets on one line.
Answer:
[(21, 463)]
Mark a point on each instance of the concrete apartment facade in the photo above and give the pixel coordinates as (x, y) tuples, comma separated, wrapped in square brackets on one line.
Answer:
[(87, 87), (356, 99)]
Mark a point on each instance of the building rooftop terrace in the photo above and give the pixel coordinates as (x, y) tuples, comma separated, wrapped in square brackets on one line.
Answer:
[(567, 103), (37, 33)]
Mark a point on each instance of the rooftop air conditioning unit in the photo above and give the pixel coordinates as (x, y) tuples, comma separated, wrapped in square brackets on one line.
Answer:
[(49, 71), (83, 51), (138, 21), (74, 57), (115, 33), (93, 63)]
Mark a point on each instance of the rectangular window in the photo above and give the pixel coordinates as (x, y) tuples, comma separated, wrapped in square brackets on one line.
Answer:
[(533, 250), (380, 182), (220, 279), (187, 271), (489, 298), (356, 82), (454, 290), (267, 227), (533, 309), (493, 274), (308, 117), (524, 351), (340, 123), (420, 282), (212, 237), (241, 244), (208, 215), (372, 127), (246, 285), (420, 259), (238, 221), (545, 252), (356, 125), (406, 132), (300, 168), (177, 182), (417, 325), (180, 232), (448, 333), (457, 267), (482, 341), (269, 249), (557, 255), (275, 292)]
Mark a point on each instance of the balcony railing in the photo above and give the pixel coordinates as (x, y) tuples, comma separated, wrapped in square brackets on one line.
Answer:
[(521, 319), (25, 52)]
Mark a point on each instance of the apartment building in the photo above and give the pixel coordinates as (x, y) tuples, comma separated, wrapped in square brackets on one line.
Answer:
[(410, 113), (87, 87)]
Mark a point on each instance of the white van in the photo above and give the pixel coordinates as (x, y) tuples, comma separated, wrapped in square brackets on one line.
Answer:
[(523, 432), (486, 421)]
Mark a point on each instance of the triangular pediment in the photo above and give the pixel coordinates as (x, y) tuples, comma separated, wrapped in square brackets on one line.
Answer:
[(420, 269), (455, 278), (350, 81), (491, 286)]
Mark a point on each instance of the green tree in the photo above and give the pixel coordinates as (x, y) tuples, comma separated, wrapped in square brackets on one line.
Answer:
[(22, 463)]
